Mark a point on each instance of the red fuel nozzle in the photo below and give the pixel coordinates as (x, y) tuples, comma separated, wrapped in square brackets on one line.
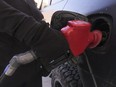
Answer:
[(80, 37)]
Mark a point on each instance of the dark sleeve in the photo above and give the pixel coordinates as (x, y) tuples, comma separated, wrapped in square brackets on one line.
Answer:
[(16, 23), (26, 6), (48, 42)]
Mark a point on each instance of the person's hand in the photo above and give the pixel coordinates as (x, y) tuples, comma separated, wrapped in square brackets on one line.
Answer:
[(50, 47)]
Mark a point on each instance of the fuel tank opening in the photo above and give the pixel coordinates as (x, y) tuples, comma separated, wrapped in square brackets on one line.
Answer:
[(103, 24)]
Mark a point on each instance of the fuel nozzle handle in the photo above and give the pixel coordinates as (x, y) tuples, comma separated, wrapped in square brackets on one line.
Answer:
[(79, 36), (18, 60), (14, 63)]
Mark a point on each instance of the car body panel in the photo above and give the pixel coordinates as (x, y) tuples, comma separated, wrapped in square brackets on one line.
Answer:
[(87, 7)]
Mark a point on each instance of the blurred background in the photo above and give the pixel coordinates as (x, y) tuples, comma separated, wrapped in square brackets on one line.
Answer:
[(45, 3)]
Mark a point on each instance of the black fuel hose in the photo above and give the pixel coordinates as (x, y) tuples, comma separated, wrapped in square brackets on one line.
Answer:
[(3, 78)]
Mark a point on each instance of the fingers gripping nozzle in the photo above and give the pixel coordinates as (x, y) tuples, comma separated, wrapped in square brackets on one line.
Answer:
[(79, 36)]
